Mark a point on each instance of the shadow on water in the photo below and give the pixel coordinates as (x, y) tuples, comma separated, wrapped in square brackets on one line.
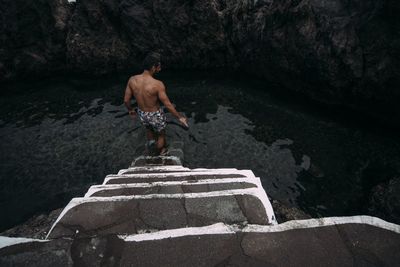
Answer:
[(60, 136)]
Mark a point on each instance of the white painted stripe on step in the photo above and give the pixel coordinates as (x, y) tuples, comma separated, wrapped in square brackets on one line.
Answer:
[(95, 188), (211, 170), (321, 222), (221, 228), (6, 241), (214, 229)]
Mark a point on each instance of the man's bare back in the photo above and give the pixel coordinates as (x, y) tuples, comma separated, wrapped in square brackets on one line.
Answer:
[(149, 94), (145, 90)]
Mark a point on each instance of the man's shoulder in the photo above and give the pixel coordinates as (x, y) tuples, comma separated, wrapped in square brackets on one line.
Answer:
[(134, 77), (133, 80), (159, 84)]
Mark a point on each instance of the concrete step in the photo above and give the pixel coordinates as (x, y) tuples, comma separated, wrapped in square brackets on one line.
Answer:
[(177, 153), (156, 161), (172, 187), (176, 176), (152, 169), (336, 241), (167, 168), (136, 214), (255, 245)]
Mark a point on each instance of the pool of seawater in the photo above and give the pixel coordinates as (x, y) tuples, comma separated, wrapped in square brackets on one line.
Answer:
[(62, 135)]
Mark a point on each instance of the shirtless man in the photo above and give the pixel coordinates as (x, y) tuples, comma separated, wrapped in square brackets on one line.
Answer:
[(148, 93)]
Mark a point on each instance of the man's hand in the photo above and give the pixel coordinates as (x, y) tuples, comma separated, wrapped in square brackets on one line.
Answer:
[(183, 121), (133, 114)]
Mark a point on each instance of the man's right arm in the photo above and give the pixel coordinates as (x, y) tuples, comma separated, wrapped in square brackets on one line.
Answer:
[(127, 99), (162, 95)]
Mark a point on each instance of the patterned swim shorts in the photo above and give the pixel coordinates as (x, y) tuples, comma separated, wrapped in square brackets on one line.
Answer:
[(153, 120)]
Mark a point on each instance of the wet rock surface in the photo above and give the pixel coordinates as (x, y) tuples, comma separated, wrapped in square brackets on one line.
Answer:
[(337, 52), (286, 212)]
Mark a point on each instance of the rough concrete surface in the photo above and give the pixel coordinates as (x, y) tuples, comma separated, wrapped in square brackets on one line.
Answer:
[(347, 244), (130, 214)]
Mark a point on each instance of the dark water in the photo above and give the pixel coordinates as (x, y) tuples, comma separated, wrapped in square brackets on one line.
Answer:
[(60, 136)]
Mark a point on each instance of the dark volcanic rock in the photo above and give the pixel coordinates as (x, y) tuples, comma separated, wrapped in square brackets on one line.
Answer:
[(190, 34), (36, 227), (32, 37), (107, 36), (342, 52), (94, 41), (337, 52), (384, 200), (286, 213)]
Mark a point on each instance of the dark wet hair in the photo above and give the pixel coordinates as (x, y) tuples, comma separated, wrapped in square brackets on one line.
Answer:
[(152, 59)]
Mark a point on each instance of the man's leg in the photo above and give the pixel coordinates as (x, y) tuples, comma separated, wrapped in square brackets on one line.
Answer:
[(161, 142), (150, 135), (151, 142)]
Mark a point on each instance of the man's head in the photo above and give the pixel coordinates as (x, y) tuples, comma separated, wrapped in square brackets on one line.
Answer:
[(152, 62)]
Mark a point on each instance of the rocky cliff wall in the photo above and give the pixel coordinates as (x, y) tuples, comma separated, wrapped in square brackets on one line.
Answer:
[(32, 37), (337, 51)]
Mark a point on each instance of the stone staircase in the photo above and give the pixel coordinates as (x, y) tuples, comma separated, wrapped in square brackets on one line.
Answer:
[(155, 197), (159, 213)]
